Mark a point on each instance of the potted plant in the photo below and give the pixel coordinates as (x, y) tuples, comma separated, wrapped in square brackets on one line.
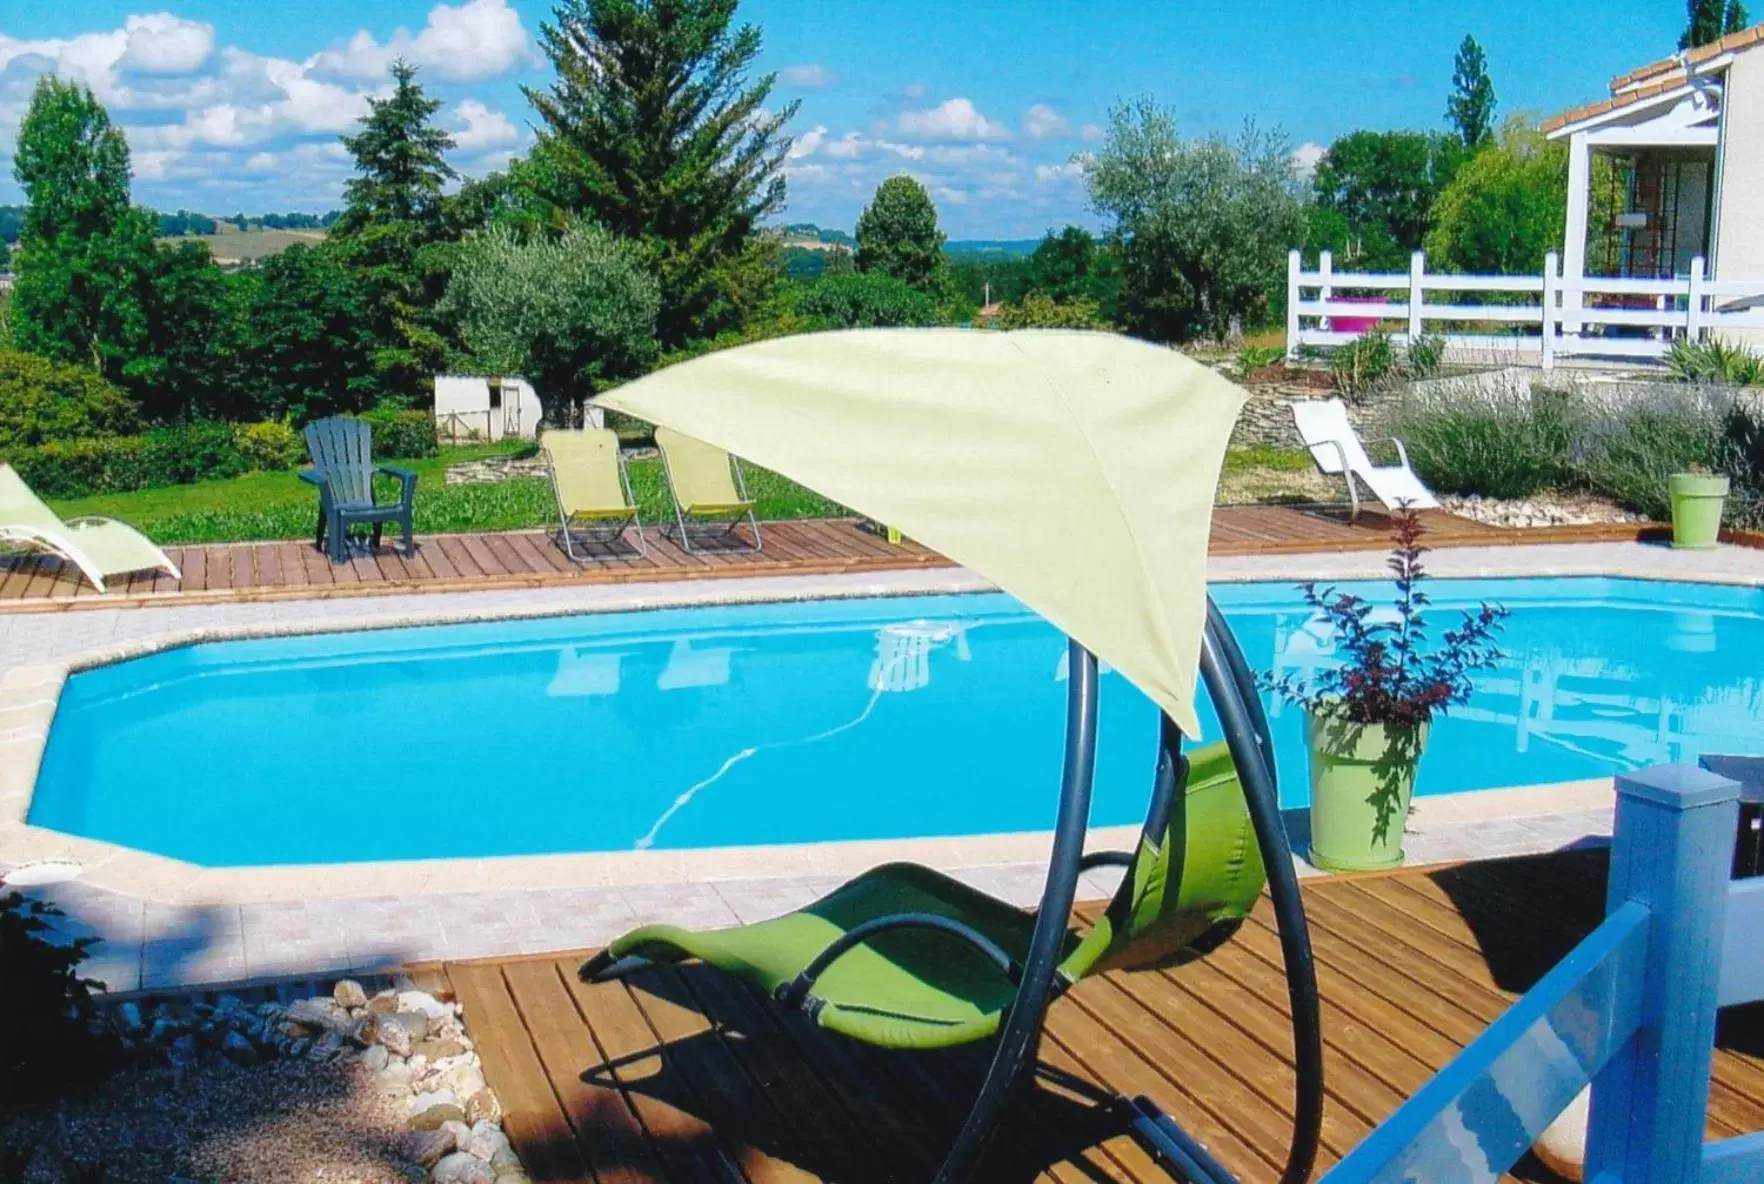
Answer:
[(1697, 499), (1366, 721)]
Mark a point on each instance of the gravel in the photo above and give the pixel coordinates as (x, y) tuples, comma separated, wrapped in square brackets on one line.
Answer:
[(282, 1121)]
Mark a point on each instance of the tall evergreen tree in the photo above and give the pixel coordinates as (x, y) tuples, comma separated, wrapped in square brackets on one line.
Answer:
[(401, 158), (897, 234), (1471, 108), (654, 129), (1711, 20), (393, 214)]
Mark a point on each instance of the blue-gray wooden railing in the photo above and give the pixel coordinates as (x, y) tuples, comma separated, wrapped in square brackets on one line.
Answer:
[(1631, 1010)]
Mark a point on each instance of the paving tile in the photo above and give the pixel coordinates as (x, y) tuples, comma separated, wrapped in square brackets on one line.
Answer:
[(694, 906), (761, 900)]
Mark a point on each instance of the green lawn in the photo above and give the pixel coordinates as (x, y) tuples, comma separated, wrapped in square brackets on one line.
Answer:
[(261, 506)]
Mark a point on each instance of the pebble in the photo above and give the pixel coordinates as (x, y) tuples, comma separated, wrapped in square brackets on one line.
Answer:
[(463, 1168), (326, 1047), (394, 1036), (238, 1049), (426, 1147), (376, 1058), (182, 1052), (513, 1175), (486, 1140), (429, 1110), (483, 1107), (504, 1160), (437, 1049), (385, 1003), (348, 993), (314, 1013), (422, 1001), (460, 1132), (396, 1073)]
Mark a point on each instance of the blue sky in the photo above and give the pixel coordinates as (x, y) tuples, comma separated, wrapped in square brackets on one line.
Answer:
[(235, 105)]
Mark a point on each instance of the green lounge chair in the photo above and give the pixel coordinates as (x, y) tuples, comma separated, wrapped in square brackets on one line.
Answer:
[(593, 490), (99, 547), (906, 957), (343, 468), (707, 485)]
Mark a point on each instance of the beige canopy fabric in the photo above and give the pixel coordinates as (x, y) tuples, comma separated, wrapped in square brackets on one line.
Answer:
[(1074, 470)]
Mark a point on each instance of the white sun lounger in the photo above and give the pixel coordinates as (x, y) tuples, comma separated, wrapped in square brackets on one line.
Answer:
[(99, 547), (1324, 427)]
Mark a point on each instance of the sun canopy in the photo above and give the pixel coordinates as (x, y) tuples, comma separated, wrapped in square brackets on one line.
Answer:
[(1074, 470)]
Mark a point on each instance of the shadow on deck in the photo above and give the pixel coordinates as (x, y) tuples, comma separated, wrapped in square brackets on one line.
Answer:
[(687, 1076)]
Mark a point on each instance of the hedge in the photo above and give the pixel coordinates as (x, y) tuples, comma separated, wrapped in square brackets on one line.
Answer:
[(195, 452), (44, 402)]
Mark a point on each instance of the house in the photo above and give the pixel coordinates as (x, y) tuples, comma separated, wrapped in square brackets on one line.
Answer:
[(1686, 138), (476, 407)]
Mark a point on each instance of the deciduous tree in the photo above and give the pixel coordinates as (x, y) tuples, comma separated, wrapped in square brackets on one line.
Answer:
[(897, 234), (655, 129), (1506, 208), (1374, 194), (1205, 225)]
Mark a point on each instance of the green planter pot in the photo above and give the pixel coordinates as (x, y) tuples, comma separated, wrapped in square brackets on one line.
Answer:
[(1362, 778), (1697, 499)]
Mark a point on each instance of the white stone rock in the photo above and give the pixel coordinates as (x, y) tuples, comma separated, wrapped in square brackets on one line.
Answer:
[(394, 1037), (485, 1141), (424, 1002), (425, 1101), (349, 993), (376, 1058), (463, 1168), (238, 1049), (315, 1013), (462, 1134)]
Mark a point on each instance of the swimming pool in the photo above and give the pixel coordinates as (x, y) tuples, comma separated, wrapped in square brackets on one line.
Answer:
[(801, 722)]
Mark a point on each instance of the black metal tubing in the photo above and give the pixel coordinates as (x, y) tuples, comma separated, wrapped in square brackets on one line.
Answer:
[(1106, 859), (795, 993), (1015, 1056), (1233, 691), (1175, 1146)]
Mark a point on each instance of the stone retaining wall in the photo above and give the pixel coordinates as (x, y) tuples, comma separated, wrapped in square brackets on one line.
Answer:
[(1266, 420)]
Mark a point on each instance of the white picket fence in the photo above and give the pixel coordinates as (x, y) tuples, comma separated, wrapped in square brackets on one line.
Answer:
[(1594, 316)]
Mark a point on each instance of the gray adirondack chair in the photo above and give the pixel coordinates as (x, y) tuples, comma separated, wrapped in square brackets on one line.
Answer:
[(343, 468)]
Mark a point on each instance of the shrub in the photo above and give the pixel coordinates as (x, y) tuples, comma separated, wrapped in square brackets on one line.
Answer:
[(271, 446), (1626, 453), (1039, 311), (1363, 364), (1505, 442), (866, 300), (46, 1033), (404, 435), (1258, 357), (1423, 357), (44, 402), (1715, 361), (1741, 457), (121, 464)]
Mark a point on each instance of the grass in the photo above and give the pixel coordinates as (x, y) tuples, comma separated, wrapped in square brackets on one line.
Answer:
[(265, 506), (259, 507)]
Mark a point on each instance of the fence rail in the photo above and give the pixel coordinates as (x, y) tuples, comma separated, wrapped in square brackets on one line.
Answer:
[(1546, 315), (1631, 1010)]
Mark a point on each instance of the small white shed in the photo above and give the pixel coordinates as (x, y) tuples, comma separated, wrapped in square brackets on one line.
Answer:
[(486, 407)]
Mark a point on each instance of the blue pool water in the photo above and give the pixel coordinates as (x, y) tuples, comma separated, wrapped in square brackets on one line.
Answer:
[(882, 718)]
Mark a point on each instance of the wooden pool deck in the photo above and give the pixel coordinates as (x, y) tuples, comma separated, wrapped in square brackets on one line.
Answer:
[(710, 1082), (231, 572)]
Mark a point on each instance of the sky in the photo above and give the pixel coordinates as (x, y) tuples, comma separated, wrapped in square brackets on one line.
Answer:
[(237, 105)]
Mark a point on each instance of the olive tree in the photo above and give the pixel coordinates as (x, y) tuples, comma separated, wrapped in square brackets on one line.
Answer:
[(1204, 224), (567, 313)]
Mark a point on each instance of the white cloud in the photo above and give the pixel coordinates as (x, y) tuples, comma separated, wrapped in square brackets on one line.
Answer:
[(1042, 122), (808, 143), (459, 43), (955, 197), (1093, 132), (1054, 173), (1305, 158), (160, 43), (807, 76), (953, 119), (480, 129)]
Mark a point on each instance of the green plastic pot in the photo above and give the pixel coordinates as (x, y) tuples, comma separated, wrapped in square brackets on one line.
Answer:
[(1362, 779), (1697, 499)]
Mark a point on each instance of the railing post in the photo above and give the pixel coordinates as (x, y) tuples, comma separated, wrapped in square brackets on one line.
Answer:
[(1693, 318), (1548, 343), (1417, 276), (1672, 851), (1294, 264), (1326, 269)]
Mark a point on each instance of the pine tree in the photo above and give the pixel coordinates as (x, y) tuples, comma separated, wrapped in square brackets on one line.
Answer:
[(897, 234), (1471, 108), (653, 129), (400, 156), (393, 212), (1711, 20)]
